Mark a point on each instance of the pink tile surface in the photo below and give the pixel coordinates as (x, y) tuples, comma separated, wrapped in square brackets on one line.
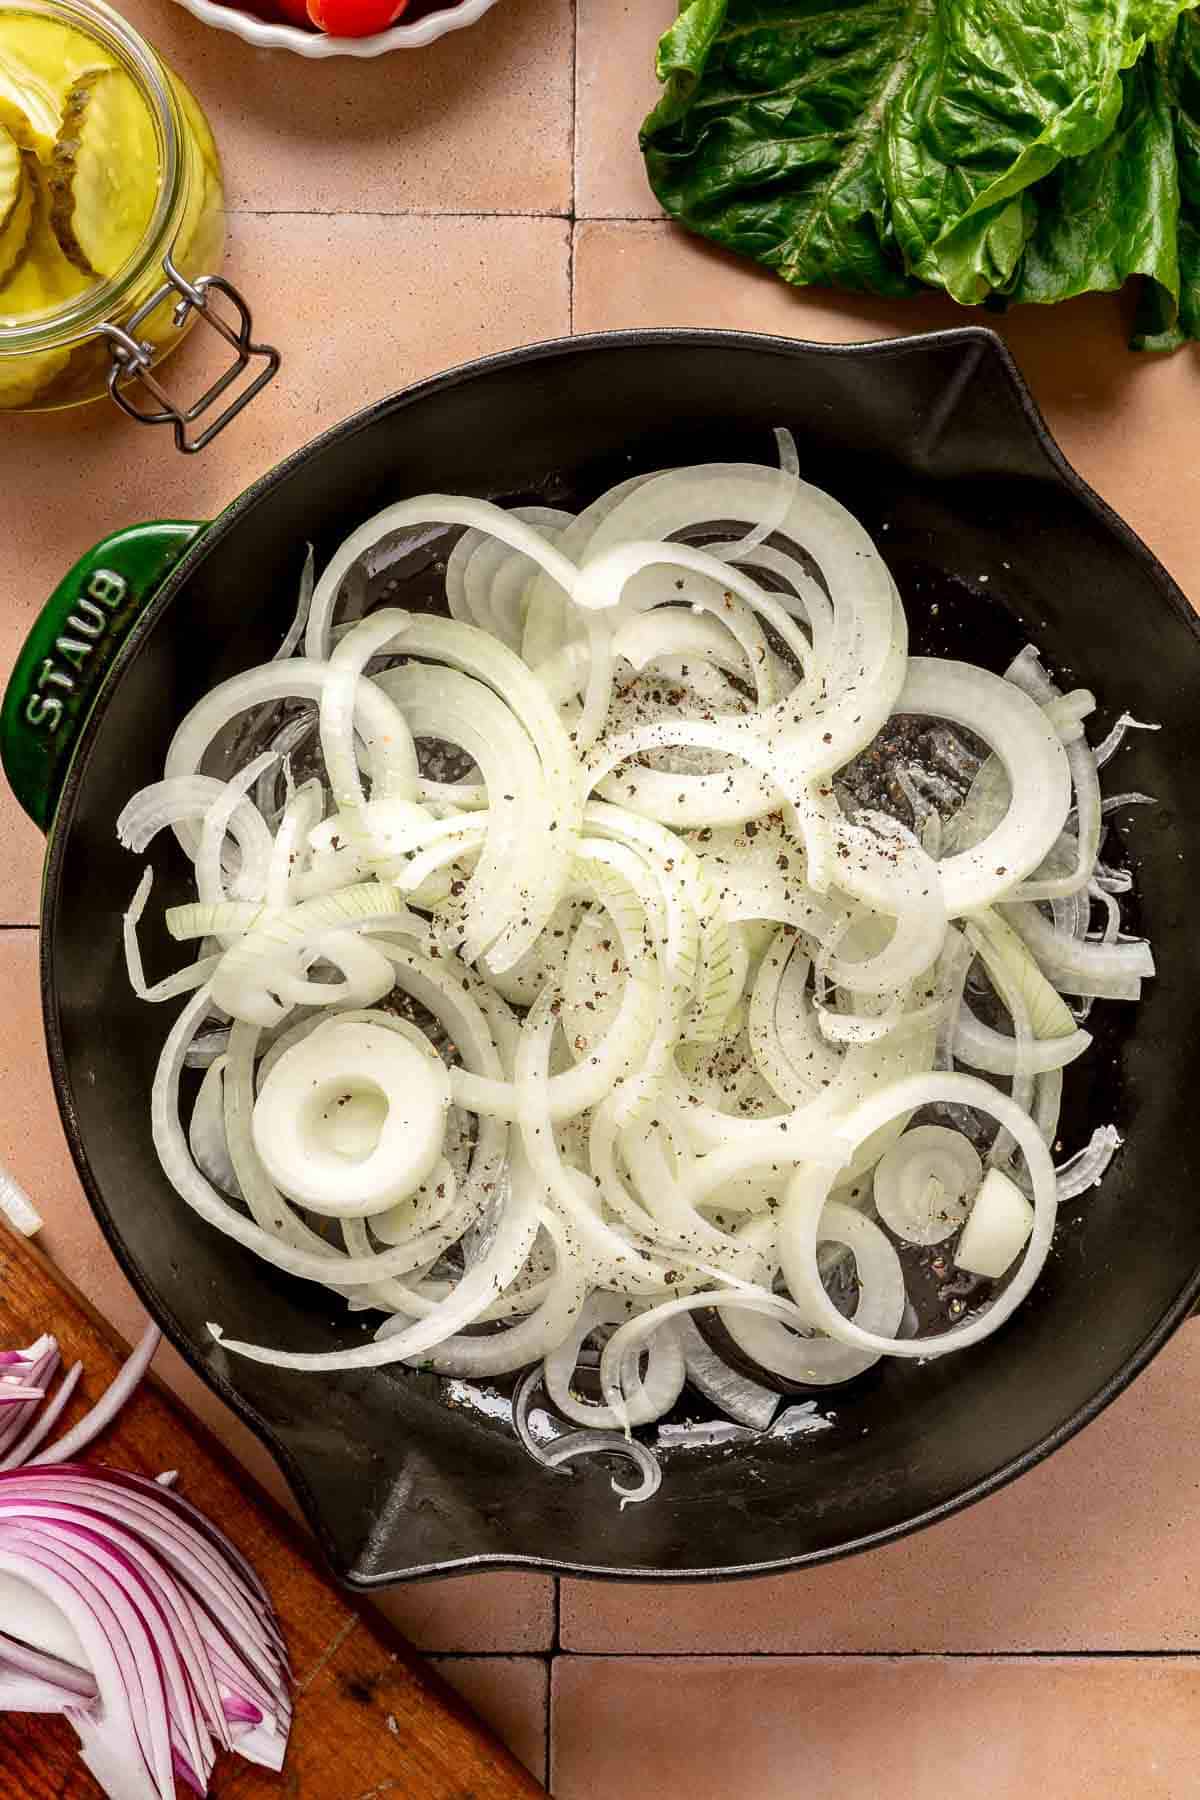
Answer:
[(838, 1729), (461, 287), (444, 290), (1097, 1549), (21, 865), (362, 229), (615, 87), (509, 1692), (1127, 422), (494, 1612), (478, 122)]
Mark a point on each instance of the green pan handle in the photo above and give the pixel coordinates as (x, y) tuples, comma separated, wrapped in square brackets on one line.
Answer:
[(70, 650)]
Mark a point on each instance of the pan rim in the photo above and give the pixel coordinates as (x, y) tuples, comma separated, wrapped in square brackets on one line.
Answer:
[(986, 343)]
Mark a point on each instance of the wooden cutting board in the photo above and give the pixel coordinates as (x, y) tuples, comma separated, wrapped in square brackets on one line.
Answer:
[(371, 1719)]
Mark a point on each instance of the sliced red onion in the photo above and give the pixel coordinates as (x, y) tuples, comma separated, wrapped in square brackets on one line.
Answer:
[(109, 1405), (147, 1590), (125, 1611), (38, 1366), (43, 1424), (60, 1676)]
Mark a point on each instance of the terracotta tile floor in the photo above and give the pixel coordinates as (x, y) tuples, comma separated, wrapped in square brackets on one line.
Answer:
[(392, 218)]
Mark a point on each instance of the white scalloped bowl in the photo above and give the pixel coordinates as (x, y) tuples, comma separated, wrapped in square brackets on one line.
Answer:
[(265, 35)]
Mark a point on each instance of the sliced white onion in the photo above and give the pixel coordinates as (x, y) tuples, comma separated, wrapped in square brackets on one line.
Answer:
[(1108, 748), (655, 1392), (1066, 960), (997, 1230), (809, 1190), (740, 1399), (350, 1121), (727, 1034), (924, 1184), (207, 1139), (817, 1361), (17, 1207), (1088, 1166), (1032, 756)]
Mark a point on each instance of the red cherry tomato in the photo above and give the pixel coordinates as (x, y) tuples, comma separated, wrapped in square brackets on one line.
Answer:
[(354, 18)]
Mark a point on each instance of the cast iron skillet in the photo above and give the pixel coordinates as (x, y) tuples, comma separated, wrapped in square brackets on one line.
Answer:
[(935, 444)]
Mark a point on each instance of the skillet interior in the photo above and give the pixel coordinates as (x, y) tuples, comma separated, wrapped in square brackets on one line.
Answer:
[(934, 444)]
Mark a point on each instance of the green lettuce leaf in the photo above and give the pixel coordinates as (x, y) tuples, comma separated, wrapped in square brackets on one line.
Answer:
[(768, 136), (997, 97), (1169, 317), (1115, 212), (1022, 148)]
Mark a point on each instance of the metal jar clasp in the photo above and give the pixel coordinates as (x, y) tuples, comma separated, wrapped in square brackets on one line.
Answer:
[(132, 357)]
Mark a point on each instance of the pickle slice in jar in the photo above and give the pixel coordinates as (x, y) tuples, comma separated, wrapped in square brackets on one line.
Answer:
[(40, 62), (16, 180), (12, 176), (28, 106), (16, 122), (43, 279), (104, 174)]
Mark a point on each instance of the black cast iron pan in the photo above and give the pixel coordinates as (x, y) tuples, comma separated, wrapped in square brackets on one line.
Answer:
[(935, 444)]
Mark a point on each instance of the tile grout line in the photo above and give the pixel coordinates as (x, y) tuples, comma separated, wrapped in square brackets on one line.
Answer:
[(396, 212), (658, 218), (552, 1662), (570, 214), (552, 1655), (510, 1656), (1147, 1655), (574, 109), (574, 214)]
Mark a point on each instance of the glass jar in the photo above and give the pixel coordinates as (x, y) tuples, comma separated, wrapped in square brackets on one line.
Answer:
[(68, 335)]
